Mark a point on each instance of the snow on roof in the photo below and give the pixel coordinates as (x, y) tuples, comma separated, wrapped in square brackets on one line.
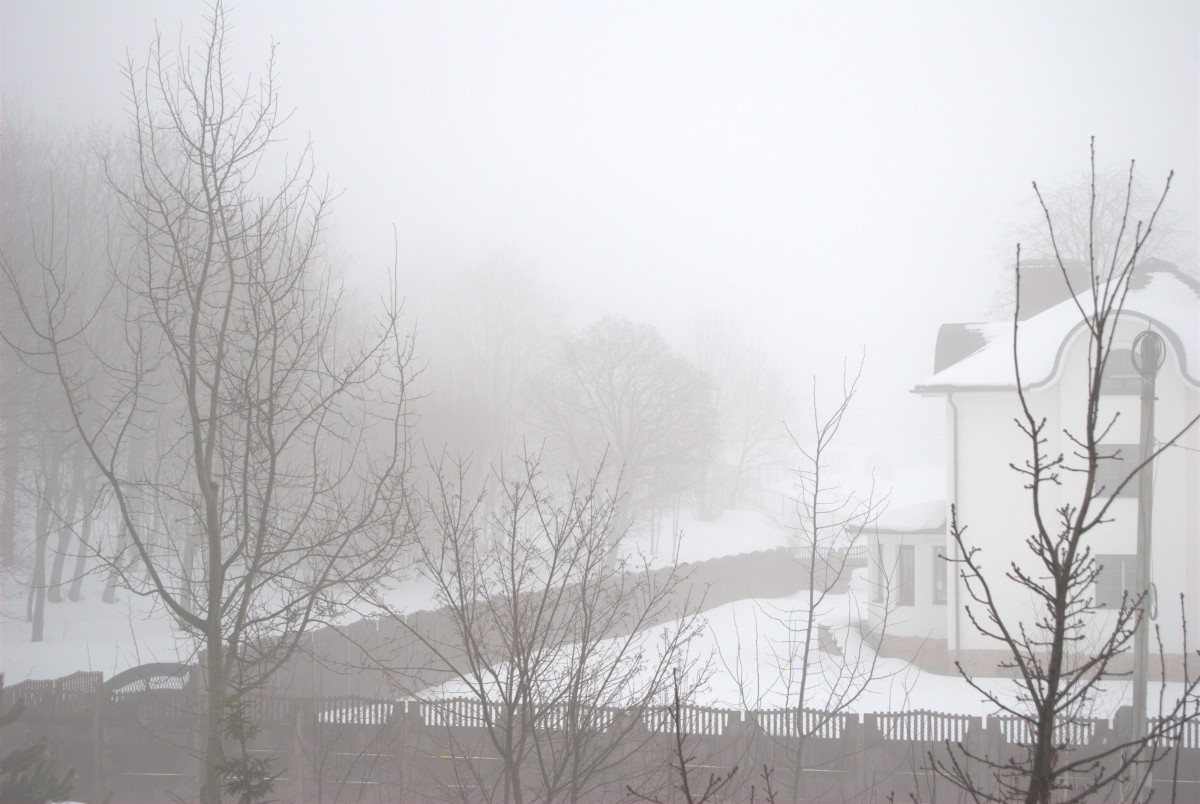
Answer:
[(1164, 297), (921, 517)]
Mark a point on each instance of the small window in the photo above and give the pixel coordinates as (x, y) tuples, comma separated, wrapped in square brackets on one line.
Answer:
[(1115, 580), (940, 572), (877, 588), (1116, 462), (906, 569), (1120, 376)]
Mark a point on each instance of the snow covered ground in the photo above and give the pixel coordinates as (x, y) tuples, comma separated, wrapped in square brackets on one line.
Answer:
[(757, 647), (750, 645), (86, 635), (748, 657), (110, 638), (731, 533)]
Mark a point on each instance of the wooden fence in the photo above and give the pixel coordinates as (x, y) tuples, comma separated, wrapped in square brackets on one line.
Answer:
[(144, 747)]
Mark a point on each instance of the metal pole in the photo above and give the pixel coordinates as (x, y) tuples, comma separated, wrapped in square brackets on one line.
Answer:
[(1148, 354)]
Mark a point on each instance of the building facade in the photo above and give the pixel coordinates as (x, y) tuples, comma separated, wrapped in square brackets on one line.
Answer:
[(975, 378)]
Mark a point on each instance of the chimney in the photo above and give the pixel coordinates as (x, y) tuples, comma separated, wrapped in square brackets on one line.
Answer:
[(1043, 285)]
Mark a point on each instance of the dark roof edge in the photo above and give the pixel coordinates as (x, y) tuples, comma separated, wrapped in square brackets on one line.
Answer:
[(1167, 332), (938, 390)]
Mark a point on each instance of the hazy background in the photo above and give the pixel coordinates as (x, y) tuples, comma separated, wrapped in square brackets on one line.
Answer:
[(838, 176)]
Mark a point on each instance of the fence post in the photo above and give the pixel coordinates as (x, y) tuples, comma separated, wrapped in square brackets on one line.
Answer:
[(996, 744), (858, 733), (975, 740), (637, 767), (739, 739), (101, 698), (406, 723), (302, 716)]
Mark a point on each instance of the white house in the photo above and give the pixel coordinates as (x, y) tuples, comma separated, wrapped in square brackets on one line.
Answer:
[(908, 576), (974, 374)]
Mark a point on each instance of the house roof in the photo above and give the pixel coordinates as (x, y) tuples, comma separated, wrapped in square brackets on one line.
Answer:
[(1159, 294), (957, 341), (923, 517)]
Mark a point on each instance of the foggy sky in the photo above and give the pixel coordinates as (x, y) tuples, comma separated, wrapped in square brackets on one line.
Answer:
[(840, 175)]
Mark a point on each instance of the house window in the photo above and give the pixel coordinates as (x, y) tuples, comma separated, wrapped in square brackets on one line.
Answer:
[(1120, 377), (877, 588), (1115, 579), (940, 572), (906, 569), (1112, 471)]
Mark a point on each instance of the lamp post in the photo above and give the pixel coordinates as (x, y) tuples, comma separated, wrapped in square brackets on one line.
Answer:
[(1148, 355)]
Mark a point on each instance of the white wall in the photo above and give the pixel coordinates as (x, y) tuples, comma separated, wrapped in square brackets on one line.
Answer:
[(924, 618), (997, 512)]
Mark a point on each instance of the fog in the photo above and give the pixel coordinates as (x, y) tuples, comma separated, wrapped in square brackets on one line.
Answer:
[(572, 395), (839, 177)]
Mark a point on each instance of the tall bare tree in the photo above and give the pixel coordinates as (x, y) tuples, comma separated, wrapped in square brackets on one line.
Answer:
[(251, 441), (831, 522), (1089, 211), (1062, 650), (546, 634), (617, 394), (817, 669), (58, 209)]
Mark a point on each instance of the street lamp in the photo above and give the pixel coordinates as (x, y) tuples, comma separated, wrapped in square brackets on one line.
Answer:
[(1148, 354)]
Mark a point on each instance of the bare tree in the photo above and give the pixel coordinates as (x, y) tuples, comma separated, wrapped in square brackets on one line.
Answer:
[(58, 209), (751, 400), (489, 330), (1089, 212), (546, 634), (821, 670), (618, 394), (1068, 642), (252, 444), (831, 523), (683, 763)]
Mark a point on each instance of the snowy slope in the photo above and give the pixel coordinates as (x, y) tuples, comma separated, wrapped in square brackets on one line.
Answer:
[(750, 646)]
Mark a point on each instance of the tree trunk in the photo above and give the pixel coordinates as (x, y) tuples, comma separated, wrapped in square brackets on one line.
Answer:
[(85, 545), (218, 674), (132, 465), (622, 522), (214, 754), (114, 576), (37, 587), (8, 516), (798, 757), (66, 527)]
